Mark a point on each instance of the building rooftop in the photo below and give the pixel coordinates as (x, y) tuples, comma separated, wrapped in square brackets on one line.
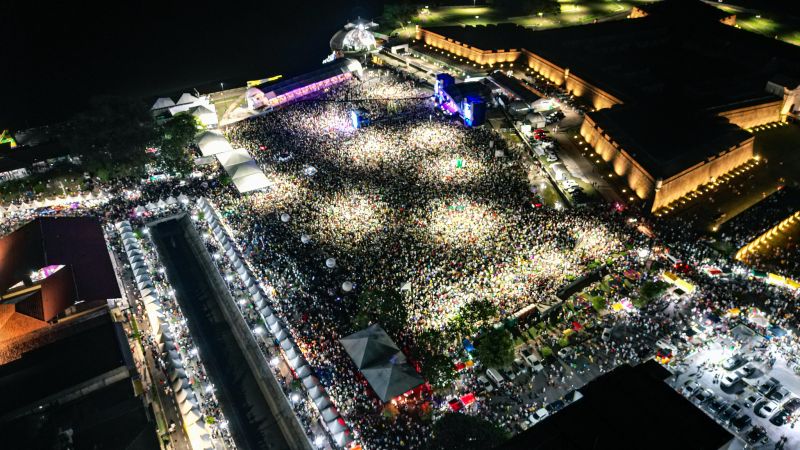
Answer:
[(627, 408), (77, 242), (471, 89), (72, 382), (691, 59), (665, 140)]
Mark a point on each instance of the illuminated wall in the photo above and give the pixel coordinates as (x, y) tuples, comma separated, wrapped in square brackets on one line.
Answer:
[(597, 97), (672, 188), (755, 115), (681, 184), (639, 12), (623, 164), (462, 50)]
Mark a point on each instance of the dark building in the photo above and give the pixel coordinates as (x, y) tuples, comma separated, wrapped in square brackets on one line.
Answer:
[(73, 386), (50, 263), (627, 408), (679, 68)]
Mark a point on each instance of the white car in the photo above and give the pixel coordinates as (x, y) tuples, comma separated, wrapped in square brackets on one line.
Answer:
[(729, 380), (766, 409), (538, 416), (485, 384)]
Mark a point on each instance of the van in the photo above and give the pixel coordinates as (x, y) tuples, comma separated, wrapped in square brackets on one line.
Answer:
[(495, 376)]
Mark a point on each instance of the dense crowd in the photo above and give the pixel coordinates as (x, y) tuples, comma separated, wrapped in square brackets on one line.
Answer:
[(413, 202)]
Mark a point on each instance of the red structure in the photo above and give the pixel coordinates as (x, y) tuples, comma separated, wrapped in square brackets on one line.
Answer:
[(50, 263)]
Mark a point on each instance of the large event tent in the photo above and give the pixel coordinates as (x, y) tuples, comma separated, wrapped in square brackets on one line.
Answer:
[(381, 361)]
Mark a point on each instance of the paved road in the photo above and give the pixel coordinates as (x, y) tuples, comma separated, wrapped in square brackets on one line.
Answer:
[(252, 424)]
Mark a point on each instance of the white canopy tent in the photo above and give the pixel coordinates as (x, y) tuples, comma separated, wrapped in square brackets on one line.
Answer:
[(212, 143)]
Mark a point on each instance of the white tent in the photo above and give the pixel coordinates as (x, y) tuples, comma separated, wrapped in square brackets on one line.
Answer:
[(187, 98), (322, 402), (171, 200), (163, 102), (183, 199), (234, 157), (212, 143), (206, 115)]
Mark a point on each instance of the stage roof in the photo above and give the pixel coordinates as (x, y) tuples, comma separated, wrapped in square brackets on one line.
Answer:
[(381, 361), (515, 86), (329, 70)]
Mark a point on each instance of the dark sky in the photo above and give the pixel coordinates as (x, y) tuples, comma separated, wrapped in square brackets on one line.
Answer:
[(57, 56)]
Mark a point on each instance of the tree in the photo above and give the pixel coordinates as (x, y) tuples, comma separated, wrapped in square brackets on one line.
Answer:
[(438, 369), (496, 349), (546, 352), (456, 431), (177, 134), (649, 291), (598, 303), (112, 134), (399, 13)]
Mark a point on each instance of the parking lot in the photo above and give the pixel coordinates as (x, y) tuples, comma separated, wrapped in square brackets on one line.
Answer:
[(740, 373)]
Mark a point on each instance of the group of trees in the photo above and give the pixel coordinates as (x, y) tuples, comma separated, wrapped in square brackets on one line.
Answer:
[(496, 348), (649, 291), (112, 136)]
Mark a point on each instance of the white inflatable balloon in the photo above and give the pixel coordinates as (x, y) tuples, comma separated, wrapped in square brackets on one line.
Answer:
[(330, 263), (285, 217), (347, 286), (305, 239)]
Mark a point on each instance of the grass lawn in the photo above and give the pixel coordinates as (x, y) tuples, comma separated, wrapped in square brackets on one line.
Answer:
[(573, 12), (786, 28)]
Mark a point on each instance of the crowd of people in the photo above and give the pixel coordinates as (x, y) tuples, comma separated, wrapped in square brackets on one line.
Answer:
[(412, 202)]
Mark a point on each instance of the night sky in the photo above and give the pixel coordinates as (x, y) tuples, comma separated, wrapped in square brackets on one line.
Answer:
[(58, 56)]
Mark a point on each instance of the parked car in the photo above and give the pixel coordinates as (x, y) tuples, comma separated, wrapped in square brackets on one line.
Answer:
[(729, 380), (746, 371), (765, 408), (606, 333), (756, 435), (538, 415), (733, 362), (779, 394), (751, 400), (484, 384), (495, 376), (727, 414), (690, 387), (768, 386), (781, 418), (792, 405), (702, 395), (715, 405), (519, 366), (741, 422), (508, 373)]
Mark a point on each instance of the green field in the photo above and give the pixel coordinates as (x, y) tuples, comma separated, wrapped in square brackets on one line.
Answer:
[(576, 12), (573, 12)]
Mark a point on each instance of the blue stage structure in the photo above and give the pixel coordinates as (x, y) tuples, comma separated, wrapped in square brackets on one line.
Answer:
[(468, 100)]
